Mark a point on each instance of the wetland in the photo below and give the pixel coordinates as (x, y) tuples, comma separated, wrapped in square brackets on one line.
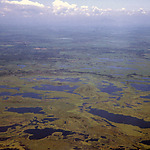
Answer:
[(74, 88)]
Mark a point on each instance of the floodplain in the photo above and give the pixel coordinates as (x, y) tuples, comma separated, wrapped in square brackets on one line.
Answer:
[(74, 88)]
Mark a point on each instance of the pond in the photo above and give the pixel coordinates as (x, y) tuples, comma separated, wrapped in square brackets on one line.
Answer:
[(110, 89), (141, 87), (31, 95), (119, 118), (42, 133), (47, 87), (22, 110), (67, 79)]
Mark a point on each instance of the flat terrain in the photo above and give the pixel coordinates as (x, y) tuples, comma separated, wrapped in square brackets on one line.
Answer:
[(74, 88)]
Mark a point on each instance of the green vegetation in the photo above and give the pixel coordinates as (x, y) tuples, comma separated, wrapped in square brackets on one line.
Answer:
[(103, 69)]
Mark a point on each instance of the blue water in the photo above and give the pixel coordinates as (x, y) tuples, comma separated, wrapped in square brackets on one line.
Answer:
[(122, 68), (31, 95), (146, 81), (57, 98), (147, 97), (42, 78), (7, 87), (141, 87), (68, 80), (42, 133), (118, 118), (109, 59), (5, 128), (22, 110), (5, 94), (47, 87), (21, 66), (110, 89)]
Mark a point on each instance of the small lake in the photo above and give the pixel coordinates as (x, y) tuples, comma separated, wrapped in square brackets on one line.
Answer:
[(110, 89), (30, 95), (5, 94), (65, 88), (7, 87), (141, 87), (5, 128), (42, 133), (67, 80), (118, 118), (147, 97), (22, 110), (21, 66)]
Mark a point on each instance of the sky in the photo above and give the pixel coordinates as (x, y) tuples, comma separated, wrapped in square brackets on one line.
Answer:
[(79, 10)]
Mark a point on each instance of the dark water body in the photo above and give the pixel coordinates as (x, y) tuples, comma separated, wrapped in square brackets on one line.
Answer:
[(30, 95), (141, 87), (122, 68), (117, 118), (146, 101), (147, 142), (5, 128), (90, 68), (58, 97), (7, 87), (42, 78), (22, 110), (146, 78), (109, 59), (110, 89), (45, 120), (42, 133), (65, 88), (5, 94), (146, 81), (68, 80), (6, 98), (147, 97), (92, 140), (118, 98), (49, 119), (21, 66)]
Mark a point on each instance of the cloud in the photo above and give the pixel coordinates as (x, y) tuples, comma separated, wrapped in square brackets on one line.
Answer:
[(24, 2), (28, 8), (63, 8)]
